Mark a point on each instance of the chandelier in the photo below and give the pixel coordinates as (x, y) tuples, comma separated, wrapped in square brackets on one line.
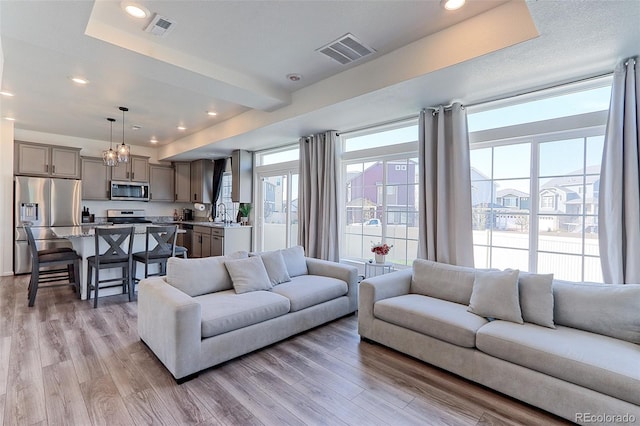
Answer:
[(109, 156), (123, 150)]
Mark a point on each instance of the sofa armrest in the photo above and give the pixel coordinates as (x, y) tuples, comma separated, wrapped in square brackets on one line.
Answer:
[(379, 288), (169, 322), (346, 273)]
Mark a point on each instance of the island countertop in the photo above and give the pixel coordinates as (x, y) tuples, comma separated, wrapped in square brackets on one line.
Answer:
[(89, 230)]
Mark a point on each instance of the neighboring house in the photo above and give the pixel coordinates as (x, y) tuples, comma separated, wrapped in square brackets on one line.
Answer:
[(365, 193), (513, 198)]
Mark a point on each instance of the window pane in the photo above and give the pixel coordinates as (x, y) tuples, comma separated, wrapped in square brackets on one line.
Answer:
[(481, 256), (595, 145), (511, 161), (553, 107), (278, 156), (274, 214), (562, 157), (481, 163), (506, 258), (593, 270), (384, 138), (563, 267)]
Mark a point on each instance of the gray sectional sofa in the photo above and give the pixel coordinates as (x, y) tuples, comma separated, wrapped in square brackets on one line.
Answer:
[(572, 349), (208, 311)]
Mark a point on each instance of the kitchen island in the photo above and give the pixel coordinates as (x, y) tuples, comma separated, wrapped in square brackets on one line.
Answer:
[(83, 241)]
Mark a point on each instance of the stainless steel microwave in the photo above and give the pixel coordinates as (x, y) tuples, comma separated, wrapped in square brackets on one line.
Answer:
[(129, 191)]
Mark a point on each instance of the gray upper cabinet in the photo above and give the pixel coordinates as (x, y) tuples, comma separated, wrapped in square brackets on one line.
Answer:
[(201, 181), (46, 160), (161, 183), (182, 182), (241, 176), (95, 183), (136, 170)]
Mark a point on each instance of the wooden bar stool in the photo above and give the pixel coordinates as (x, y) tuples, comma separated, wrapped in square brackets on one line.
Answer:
[(115, 256), (63, 268), (165, 238)]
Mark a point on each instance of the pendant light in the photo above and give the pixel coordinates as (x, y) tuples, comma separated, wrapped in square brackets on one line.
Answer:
[(109, 156), (123, 150)]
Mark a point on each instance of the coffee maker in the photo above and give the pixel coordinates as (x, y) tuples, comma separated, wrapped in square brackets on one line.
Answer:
[(187, 214)]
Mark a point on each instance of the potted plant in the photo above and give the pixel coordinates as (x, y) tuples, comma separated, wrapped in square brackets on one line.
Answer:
[(244, 210), (380, 250)]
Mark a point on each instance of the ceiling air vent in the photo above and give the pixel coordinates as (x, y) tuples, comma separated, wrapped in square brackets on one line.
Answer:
[(346, 49), (159, 25)]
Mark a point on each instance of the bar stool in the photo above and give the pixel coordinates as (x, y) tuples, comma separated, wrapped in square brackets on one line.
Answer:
[(65, 264), (165, 238), (115, 256), (181, 251)]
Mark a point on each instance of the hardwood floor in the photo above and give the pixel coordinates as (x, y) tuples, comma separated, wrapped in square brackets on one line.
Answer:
[(63, 362)]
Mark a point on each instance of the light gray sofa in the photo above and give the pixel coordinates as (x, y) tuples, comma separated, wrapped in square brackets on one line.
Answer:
[(586, 369), (199, 315)]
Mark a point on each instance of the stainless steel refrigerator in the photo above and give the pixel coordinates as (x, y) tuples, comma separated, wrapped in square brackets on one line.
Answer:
[(43, 203)]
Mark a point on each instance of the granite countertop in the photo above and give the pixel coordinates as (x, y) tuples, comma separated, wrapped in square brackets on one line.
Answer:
[(89, 230), (211, 224)]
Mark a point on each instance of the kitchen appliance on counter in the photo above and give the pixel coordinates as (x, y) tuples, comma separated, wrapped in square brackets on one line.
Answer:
[(43, 203), (187, 214), (133, 216), (129, 191)]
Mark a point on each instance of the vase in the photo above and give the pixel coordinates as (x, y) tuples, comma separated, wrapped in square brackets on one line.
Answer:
[(380, 258)]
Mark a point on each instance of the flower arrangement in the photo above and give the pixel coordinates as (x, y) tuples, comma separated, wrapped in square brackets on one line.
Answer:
[(380, 248)]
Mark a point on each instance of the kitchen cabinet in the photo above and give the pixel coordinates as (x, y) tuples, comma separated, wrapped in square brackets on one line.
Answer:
[(46, 160), (201, 181), (136, 170), (161, 183), (218, 241), (182, 182), (241, 176), (95, 182)]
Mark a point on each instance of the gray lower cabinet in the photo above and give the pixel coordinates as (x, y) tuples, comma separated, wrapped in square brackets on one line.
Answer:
[(161, 183), (95, 179), (217, 241)]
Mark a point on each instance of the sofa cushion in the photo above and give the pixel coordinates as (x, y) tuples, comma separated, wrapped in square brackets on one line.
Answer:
[(609, 309), (295, 261), (442, 281), (495, 295), (200, 276), (604, 364), (434, 317), (536, 298), (227, 311), (275, 266), (309, 290), (248, 274)]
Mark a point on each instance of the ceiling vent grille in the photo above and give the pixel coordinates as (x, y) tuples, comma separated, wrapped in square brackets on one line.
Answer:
[(159, 25), (346, 49)]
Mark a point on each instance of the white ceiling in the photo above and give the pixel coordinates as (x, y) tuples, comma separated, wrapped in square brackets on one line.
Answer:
[(233, 56)]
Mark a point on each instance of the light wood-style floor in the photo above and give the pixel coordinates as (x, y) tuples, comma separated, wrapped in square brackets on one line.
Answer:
[(63, 362)]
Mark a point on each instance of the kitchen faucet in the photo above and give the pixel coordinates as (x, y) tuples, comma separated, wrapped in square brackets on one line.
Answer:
[(222, 210)]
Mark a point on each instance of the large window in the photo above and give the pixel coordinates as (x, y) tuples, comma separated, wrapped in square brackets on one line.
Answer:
[(535, 194), (380, 181)]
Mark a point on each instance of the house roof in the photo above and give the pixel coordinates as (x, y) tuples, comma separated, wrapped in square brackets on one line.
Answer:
[(233, 58)]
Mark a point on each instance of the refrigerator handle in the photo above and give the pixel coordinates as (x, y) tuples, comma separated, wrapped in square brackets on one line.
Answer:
[(46, 168)]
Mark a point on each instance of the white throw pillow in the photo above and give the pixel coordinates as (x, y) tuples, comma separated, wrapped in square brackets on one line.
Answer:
[(196, 277), (495, 295), (295, 261), (275, 266), (248, 274), (536, 298)]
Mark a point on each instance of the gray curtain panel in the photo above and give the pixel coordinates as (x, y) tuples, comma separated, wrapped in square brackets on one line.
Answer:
[(619, 202), (444, 176), (318, 196)]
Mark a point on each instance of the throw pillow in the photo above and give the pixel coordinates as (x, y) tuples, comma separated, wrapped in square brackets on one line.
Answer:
[(536, 298), (196, 277), (495, 295), (248, 274), (295, 261), (275, 266)]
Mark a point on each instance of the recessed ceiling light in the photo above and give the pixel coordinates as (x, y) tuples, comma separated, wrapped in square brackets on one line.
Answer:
[(5, 93), (134, 9), (212, 113), (452, 4), (10, 119), (79, 80), (181, 128), (153, 140), (294, 77)]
